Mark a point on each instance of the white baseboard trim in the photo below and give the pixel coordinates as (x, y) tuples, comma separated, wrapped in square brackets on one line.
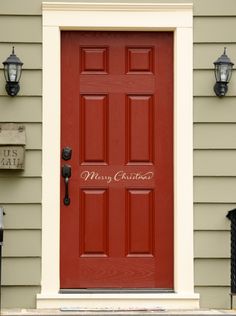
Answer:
[(119, 300)]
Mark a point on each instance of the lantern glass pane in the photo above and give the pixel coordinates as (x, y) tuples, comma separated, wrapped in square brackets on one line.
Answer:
[(224, 72), (230, 72), (217, 73), (6, 72), (18, 72), (12, 70)]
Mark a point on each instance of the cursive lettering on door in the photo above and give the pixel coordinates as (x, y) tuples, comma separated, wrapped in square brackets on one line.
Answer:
[(116, 177)]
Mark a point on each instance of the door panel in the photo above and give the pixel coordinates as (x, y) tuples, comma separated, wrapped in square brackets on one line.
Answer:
[(117, 116), (139, 129), (94, 106), (94, 223)]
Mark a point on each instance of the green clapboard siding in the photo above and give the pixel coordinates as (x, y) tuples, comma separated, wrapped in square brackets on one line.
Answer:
[(26, 7), (30, 83), (34, 135), (20, 29), (22, 216), (214, 297), (22, 243), (21, 109), (20, 190), (212, 244), (214, 29), (30, 54), (204, 81), (215, 189), (212, 216), (212, 272), (215, 136), (215, 163), (214, 8), (206, 54), (214, 110), (21, 271), (19, 296)]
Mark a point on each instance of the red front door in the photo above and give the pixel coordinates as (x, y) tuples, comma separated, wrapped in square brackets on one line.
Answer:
[(117, 116)]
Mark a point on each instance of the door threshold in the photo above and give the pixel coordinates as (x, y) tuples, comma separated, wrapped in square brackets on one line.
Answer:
[(113, 291), (122, 300)]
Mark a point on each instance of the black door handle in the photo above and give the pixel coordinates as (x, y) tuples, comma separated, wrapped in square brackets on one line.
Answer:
[(66, 174)]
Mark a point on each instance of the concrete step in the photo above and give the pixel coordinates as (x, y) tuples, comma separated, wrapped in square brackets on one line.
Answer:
[(117, 312)]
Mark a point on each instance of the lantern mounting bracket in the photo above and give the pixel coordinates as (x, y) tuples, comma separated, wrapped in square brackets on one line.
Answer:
[(220, 89), (12, 88)]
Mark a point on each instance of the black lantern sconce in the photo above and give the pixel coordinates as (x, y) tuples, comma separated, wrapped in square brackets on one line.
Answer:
[(223, 72), (12, 73)]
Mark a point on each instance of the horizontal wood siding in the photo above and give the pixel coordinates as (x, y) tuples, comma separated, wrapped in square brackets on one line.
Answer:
[(210, 110), (210, 8), (23, 109), (30, 54), (204, 82), (20, 296), (214, 296), (20, 191), (13, 271), (26, 7), (215, 163), (215, 135), (30, 83), (212, 244), (20, 29), (206, 53), (215, 189), (22, 243), (214, 152), (211, 217), (207, 272), (22, 217), (214, 29)]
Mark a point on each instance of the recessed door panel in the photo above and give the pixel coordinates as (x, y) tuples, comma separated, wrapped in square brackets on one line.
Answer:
[(93, 223), (94, 132), (140, 136), (140, 222)]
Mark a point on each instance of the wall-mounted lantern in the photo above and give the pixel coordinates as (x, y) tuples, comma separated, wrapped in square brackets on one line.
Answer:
[(12, 73), (223, 72)]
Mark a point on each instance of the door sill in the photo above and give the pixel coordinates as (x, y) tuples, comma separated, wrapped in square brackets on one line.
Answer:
[(122, 300)]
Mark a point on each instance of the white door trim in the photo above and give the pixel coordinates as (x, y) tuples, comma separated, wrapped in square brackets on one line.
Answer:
[(119, 16)]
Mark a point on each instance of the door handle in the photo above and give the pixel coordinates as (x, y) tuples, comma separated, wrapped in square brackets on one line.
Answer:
[(66, 174)]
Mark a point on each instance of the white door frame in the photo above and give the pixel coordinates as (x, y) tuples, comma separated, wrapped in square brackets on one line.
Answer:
[(133, 17)]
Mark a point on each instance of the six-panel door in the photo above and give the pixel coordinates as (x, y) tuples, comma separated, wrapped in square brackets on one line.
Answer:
[(117, 116)]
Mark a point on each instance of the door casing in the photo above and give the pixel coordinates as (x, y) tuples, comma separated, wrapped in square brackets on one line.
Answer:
[(175, 17)]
